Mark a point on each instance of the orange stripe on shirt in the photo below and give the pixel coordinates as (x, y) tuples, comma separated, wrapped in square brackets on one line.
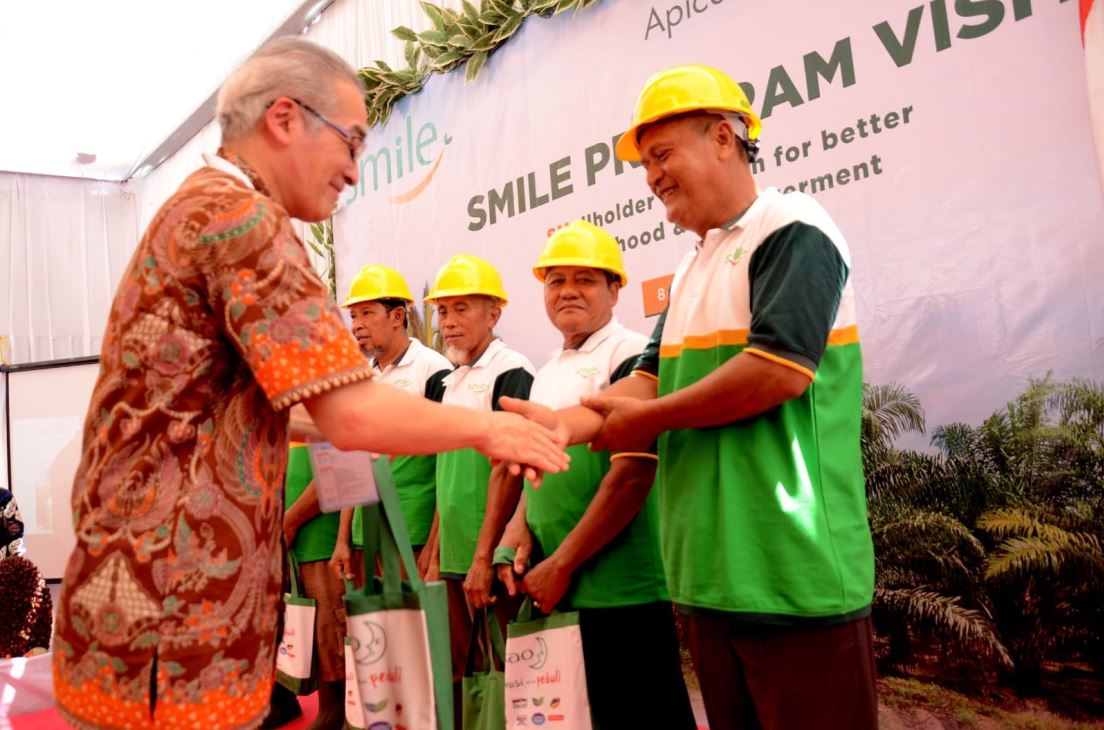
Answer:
[(706, 342), (782, 361), (843, 336)]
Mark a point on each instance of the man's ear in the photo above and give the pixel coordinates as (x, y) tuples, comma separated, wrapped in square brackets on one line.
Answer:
[(280, 119), (494, 310), (725, 137)]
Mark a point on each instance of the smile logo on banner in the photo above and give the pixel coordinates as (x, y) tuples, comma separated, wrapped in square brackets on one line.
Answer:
[(409, 155)]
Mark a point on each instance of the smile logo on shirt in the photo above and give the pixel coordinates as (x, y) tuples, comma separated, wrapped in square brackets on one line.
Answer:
[(587, 372), (734, 257), (478, 387), (403, 382)]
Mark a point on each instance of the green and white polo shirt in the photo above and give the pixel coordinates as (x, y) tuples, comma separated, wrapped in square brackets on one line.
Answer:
[(766, 517), (420, 371), (462, 474), (628, 570)]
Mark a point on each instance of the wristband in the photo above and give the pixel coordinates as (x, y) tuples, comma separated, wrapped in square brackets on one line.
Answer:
[(504, 555), (633, 455)]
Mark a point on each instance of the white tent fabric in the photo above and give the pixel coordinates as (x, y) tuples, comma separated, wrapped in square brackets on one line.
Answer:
[(64, 243), (63, 246)]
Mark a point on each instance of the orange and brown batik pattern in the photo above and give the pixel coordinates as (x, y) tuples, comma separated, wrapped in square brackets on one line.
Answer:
[(168, 612)]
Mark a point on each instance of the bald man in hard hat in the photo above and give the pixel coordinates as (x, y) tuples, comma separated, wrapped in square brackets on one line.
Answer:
[(593, 530), (469, 297), (380, 306), (752, 384)]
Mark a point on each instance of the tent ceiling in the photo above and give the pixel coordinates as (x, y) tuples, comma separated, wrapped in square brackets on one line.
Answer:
[(121, 80)]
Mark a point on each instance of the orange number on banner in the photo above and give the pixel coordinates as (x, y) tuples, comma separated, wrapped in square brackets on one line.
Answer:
[(656, 293)]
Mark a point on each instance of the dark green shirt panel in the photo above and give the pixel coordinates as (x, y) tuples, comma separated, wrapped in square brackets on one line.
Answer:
[(796, 278), (515, 383), (648, 362), (435, 386), (625, 369)]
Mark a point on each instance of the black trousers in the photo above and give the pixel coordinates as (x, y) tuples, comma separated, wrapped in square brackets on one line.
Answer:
[(634, 673)]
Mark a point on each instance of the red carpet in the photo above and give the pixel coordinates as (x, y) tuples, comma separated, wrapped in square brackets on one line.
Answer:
[(50, 720)]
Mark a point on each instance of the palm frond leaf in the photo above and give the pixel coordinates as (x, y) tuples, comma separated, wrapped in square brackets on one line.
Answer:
[(941, 613)]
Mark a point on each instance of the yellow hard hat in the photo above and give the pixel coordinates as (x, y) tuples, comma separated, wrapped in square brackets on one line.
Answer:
[(684, 89), (377, 282), (581, 244), (465, 274)]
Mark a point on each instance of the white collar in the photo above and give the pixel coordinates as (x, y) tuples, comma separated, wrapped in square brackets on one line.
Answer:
[(496, 345), (596, 338), (223, 165), (484, 360), (406, 358), (741, 221)]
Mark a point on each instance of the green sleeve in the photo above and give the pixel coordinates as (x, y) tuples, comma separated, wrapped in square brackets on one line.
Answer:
[(648, 362), (797, 277), (514, 383)]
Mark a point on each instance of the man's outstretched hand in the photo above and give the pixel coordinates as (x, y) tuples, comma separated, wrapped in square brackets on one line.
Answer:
[(517, 440), (546, 418), (626, 426)]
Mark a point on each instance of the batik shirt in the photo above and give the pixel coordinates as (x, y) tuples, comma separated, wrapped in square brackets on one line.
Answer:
[(168, 612)]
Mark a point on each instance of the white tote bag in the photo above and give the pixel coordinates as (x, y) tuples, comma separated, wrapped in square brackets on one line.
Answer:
[(397, 628), (545, 676), (295, 663), (354, 709)]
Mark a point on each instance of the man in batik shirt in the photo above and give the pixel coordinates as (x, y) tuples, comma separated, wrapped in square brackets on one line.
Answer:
[(167, 616)]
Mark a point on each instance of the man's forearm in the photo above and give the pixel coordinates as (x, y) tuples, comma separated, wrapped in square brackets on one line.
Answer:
[(503, 494), (345, 527), (583, 423), (745, 386), (304, 509), (619, 498), (424, 427)]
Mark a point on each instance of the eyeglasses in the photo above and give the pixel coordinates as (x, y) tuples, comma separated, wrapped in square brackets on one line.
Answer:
[(354, 139)]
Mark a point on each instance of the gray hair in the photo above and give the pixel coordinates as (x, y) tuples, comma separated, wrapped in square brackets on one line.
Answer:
[(289, 66)]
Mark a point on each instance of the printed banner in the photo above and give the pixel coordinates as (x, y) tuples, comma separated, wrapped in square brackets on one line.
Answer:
[(951, 142)]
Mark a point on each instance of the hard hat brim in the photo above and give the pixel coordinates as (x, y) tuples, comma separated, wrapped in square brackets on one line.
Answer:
[(540, 271), (433, 297), (359, 300), (628, 149)]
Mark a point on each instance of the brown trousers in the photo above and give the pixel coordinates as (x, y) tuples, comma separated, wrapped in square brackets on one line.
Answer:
[(785, 678), (320, 583)]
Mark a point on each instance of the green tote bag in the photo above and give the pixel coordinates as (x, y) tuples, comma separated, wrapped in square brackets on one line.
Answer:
[(485, 691)]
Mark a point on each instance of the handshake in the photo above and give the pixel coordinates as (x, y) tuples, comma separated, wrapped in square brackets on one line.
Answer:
[(533, 444)]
